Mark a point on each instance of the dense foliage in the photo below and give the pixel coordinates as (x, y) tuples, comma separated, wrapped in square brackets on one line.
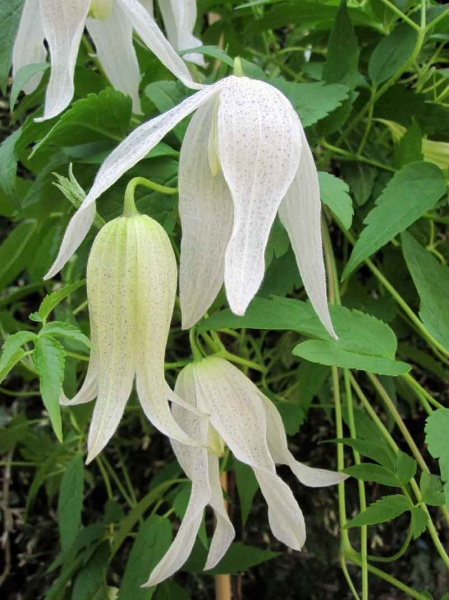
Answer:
[(370, 82)]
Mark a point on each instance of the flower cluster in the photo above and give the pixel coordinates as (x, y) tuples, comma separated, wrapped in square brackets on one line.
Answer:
[(244, 159)]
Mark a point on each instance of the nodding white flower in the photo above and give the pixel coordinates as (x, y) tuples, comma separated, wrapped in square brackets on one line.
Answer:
[(110, 24), (241, 417), (131, 287), (244, 158), (179, 20)]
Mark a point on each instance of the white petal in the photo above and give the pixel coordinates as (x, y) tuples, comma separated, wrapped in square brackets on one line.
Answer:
[(111, 289), (277, 442), (29, 43), (224, 531), (152, 36), (259, 150), (148, 5), (300, 213), (63, 24), (126, 155), (156, 274), (89, 389), (113, 39), (284, 515), (205, 208), (179, 21)]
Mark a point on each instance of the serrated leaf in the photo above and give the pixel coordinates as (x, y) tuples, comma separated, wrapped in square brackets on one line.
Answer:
[(373, 473), (392, 53), (70, 502), (417, 187), (12, 351), (342, 51), (432, 283), (51, 301), (335, 194), (10, 12), (437, 436), (431, 489), (57, 328), (371, 450), (98, 116), (49, 361), (405, 467), (14, 251), (152, 542), (385, 509), (313, 101), (419, 521)]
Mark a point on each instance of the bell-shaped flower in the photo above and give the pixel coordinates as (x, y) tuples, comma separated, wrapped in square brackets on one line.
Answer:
[(131, 288), (110, 24), (244, 158), (241, 417), (179, 21)]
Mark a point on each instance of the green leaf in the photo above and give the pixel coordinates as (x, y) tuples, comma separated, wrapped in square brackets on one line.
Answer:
[(49, 361), (247, 487), (213, 52), (432, 282), (14, 251), (313, 101), (170, 590), (417, 187), (22, 77), (373, 473), (240, 557), (385, 509), (59, 329), (98, 116), (51, 301), (70, 502), (405, 467), (152, 542), (392, 53), (437, 436), (12, 351), (371, 450), (431, 489), (335, 194), (360, 178), (342, 50), (419, 521), (89, 583), (364, 342), (409, 147), (8, 163), (10, 12)]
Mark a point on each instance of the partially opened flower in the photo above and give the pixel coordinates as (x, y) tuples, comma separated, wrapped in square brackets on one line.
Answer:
[(241, 417), (110, 24), (179, 21), (131, 287), (244, 158)]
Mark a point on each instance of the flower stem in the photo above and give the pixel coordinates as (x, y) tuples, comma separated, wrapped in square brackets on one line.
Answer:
[(129, 209), (223, 582)]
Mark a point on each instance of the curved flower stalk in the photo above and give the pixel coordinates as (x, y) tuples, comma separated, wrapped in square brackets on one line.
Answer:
[(179, 20), (131, 287), (244, 419), (110, 23), (244, 158)]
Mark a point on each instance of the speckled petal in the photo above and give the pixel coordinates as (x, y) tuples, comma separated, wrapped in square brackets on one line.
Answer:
[(206, 211), (300, 213), (277, 442), (152, 36), (135, 147), (179, 21), (63, 25), (29, 43), (259, 148), (113, 39)]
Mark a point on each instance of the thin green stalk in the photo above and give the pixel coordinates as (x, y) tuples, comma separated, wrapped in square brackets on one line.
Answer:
[(129, 203), (400, 14), (423, 395), (399, 553)]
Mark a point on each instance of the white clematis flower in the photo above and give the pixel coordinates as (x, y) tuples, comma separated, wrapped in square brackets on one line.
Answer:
[(179, 20), (244, 158), (244, 419), (131, 287), (110, 24)]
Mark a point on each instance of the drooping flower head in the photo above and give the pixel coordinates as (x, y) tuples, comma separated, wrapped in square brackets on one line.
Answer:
[(131, 287), (238, 415), (244, 158), (110, 24)]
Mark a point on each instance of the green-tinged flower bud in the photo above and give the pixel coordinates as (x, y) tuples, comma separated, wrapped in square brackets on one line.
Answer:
[(100, 9), (131, 287)]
